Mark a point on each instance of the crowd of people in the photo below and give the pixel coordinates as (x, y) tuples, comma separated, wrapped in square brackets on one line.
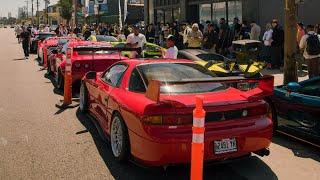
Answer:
[(215, 37)]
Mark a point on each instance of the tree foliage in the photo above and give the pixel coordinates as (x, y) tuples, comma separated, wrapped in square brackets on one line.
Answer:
[(66, 9)]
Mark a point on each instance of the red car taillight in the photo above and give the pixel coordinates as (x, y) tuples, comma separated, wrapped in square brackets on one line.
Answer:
[(258, 110), (170, 120)]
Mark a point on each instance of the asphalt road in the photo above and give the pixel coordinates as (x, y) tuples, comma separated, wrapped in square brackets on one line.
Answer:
[(38, 141)]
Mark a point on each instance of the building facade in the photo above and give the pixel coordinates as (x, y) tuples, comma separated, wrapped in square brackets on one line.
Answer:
[(261, 11)]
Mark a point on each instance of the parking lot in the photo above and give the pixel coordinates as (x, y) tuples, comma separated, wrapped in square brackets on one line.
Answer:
[(39, 141)]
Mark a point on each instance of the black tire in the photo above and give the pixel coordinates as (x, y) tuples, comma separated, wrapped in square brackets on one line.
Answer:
[(84, 98), (59, 81), (273, 113), (49, 72), (124, 149)]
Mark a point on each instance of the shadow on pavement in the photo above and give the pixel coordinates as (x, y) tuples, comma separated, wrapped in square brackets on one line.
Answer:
[(299, 149), (75, 88), (19, 59), (249, 168)]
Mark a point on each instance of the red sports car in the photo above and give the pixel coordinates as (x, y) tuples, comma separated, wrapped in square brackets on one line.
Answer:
[(44, 46), (153, 123), (86, 56)]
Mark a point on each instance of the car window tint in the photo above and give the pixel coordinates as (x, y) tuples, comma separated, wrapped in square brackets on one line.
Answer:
[(168, 72), (210, 57), (136, 84), (114, 75)]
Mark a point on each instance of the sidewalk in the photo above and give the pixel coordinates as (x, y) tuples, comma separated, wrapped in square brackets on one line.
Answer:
[(278, 76)]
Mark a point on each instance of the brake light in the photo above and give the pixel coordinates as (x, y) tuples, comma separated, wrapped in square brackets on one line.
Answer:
[(258, 110), (152, 120), (177, 119), (169, 120)]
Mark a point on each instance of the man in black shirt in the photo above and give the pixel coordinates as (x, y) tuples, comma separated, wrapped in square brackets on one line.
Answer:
[(277, 45), (210, 38), (25, 37)]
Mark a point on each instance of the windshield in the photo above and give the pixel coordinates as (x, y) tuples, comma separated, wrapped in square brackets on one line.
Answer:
[(167, 72), (106, 38), (210, 57)]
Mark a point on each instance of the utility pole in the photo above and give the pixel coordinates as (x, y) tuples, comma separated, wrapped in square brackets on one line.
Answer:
[(75, 22), (37, 13), (31, 11), (27, 8), (290, 46), (46, 7)]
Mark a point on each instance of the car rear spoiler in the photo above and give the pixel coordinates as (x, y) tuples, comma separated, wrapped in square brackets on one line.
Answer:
[(104, 48), (263, 89)]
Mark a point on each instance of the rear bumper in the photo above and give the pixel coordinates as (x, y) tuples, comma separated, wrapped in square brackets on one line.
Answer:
[(176, 149)]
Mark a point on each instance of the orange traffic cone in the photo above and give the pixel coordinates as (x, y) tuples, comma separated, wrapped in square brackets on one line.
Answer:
[(67, 95), (197, 148)]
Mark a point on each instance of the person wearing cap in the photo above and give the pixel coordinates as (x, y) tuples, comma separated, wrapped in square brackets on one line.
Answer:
[(172, 51)]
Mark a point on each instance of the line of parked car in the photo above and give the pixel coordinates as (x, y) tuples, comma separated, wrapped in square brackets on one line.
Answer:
[(143, 106)]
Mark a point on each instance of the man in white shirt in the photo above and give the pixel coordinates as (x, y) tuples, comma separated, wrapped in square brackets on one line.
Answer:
[(136, 40), (172, 51), (311, 54)]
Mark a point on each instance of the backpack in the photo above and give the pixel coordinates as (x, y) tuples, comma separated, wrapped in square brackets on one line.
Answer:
[(313, 45)]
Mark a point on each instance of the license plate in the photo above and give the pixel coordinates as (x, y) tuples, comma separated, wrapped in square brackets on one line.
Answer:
[(225, 146)]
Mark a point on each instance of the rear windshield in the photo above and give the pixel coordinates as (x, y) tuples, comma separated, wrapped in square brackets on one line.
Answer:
[(210, 57), (167, 72)]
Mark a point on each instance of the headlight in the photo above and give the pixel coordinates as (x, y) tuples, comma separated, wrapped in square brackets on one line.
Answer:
[(86, 66)]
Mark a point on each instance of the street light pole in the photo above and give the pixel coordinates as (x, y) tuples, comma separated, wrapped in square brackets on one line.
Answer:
[(290, 47)]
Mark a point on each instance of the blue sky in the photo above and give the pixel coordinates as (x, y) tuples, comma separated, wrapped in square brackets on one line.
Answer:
[(12, 6)]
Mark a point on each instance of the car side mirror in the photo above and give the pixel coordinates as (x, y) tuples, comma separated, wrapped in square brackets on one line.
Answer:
[(293, 87), (92, 75)]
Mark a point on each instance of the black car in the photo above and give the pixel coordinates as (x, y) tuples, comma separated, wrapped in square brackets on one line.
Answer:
[(39, 37)]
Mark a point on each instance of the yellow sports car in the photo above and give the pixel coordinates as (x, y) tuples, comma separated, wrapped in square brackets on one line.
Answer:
[(222, 66)]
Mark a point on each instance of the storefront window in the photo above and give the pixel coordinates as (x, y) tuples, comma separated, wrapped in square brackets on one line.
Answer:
[(204, 13), (176, 14), (235, 10), (168, 16), (218, 11), (160, 16)]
